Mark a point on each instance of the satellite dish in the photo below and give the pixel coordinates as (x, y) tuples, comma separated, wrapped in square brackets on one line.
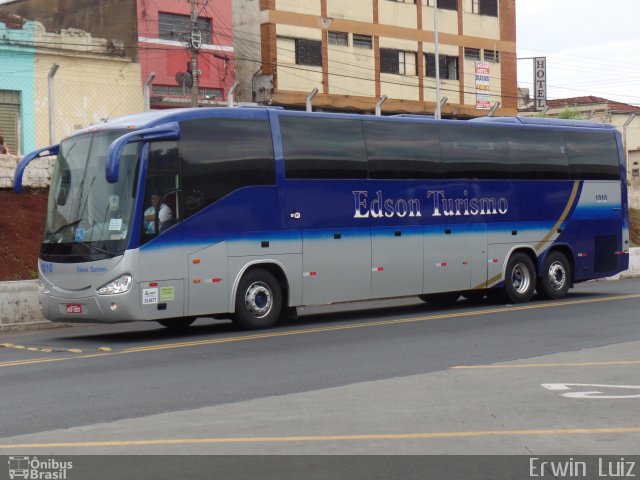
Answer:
[(184, 79)]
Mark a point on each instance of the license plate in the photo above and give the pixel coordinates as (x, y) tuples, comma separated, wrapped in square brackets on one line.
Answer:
[(74, 308)]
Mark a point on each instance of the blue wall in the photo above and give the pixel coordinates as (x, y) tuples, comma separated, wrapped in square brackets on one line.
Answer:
[(17, 62)]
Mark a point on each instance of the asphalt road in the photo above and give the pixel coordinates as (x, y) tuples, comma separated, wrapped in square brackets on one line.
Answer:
[(401, 378)]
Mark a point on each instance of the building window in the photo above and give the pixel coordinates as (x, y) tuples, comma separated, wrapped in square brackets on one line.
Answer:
[(487, 7), (172, 26), (397, 62), (339, 38), (363, 41), (446, 4), (472, 53), (308, 52), (448, 66), (492, 56)]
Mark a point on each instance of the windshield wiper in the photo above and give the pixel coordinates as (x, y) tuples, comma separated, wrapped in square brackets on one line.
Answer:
[(55, 235), (98, 249)]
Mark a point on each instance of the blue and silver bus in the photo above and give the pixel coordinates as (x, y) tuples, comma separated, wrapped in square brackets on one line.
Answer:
[(259, 210)]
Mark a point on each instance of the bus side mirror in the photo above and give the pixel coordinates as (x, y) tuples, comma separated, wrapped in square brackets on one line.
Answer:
[(167, 132)]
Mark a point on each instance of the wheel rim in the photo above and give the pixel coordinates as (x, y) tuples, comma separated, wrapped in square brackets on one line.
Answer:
[(557, 275), (520, 278), (259, 300)]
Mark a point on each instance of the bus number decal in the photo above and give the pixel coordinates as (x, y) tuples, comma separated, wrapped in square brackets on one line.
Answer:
[(601, 198), (46, 267)]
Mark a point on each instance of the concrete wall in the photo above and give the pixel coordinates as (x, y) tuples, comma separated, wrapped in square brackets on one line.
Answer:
[(38, 174), (19, 300), (111, 19)]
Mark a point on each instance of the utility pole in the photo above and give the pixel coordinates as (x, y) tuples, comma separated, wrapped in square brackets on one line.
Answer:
[(438, 112), (195, 42)]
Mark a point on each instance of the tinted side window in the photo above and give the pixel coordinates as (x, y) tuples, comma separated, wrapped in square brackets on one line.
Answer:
[(218, 156), (474, 151), (537, 153), (593, 155), (403, 150), (323, 147)]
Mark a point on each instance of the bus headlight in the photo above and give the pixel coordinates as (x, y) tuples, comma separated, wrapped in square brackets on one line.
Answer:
[(119, 285)]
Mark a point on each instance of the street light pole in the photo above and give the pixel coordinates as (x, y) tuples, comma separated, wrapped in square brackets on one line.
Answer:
[(438, 113)]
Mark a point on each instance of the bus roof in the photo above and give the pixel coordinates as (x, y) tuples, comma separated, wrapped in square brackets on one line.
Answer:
[(158, 117), (543, 121)]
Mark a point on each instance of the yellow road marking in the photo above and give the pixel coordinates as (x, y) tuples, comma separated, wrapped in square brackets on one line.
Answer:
[(334, 328), (49, 349), (543, 365), (331, 438)]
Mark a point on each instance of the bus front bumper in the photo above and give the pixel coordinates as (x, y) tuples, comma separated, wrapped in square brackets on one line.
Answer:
[(117, 308)]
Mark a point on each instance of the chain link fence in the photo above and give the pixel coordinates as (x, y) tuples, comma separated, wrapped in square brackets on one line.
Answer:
[(82, 95)]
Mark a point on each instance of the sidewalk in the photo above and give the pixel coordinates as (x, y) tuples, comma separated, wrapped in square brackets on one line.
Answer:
[(19, 300)]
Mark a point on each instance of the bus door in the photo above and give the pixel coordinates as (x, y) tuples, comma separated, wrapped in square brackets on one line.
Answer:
[(163, 266)]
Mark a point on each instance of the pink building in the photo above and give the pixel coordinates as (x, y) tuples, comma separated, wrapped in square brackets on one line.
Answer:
[(154, 33), (164, 29)]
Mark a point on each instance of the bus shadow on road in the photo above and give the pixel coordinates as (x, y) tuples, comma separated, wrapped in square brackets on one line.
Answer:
[(329, 315)]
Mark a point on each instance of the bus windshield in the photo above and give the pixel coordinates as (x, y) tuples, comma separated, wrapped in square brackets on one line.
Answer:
[(88, 218)]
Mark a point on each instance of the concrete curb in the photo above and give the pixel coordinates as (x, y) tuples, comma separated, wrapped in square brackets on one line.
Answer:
[(19, 305), (19, 308)]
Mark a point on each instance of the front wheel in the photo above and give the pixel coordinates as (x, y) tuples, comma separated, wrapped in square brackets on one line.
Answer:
[(556, 277), (258, 301), (520, 278)]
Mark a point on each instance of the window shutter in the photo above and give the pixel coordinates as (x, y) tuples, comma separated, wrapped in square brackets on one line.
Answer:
[(431, 64), (308, 52), (389, 61), (489, 7), (448, 4)]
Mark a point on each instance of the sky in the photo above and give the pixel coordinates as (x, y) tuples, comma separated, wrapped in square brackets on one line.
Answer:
[(592, 47)]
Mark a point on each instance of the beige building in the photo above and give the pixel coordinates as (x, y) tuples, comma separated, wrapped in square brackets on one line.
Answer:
[(94, 81), (355, 52)]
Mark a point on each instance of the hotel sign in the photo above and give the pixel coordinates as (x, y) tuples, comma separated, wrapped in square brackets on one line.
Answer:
[(540, 83)]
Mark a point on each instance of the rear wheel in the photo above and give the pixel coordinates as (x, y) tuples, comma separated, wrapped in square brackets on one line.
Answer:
[(258, 300), (556, 276), (520, 278)]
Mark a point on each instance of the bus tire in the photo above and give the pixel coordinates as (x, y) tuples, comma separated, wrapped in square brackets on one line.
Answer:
[(440, 299), (520, 278), (177, 324), (556, 277), (258, 300)]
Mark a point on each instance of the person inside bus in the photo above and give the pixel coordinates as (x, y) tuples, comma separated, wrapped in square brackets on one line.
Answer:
[(165, 215)]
